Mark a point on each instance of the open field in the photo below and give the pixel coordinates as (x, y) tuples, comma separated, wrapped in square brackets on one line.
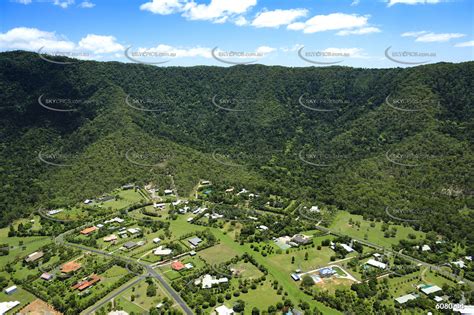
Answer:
[(245, 270), (262, 297), (367, 232), (218, 254), (21, 295), (20, 246)]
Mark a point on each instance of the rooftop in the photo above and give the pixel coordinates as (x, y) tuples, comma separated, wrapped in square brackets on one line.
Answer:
[(70, 267), (88, 230), (177, 265)]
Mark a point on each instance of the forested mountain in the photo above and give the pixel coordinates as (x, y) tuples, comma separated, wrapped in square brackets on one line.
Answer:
[(370, 141)]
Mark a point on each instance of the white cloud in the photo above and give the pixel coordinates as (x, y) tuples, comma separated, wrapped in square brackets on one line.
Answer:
[(350, 52), (413, 34), (23, 1), (297, 26), (355, 2), (216, 9), (100, 44), (428, 37), (278, 17), (179, 52), (432, 37), (412, 2), (265, 50), (63, 3), (360, 31), (292, 48), (240, 21), (465, 44), (163, 7), (333, 21), (87, 5), (33, 39)]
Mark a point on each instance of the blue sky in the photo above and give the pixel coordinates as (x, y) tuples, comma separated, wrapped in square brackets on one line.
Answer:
[(273, 32)]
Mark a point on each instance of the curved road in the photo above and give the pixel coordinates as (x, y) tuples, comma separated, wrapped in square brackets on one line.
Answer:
[(151, 272)]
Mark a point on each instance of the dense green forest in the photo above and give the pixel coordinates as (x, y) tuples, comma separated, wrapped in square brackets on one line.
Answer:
[(383, 143)]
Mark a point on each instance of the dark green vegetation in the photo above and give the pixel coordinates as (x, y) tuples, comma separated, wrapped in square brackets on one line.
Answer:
[(364, 156)]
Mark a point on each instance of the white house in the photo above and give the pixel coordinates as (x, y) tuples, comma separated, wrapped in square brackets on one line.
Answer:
[(11, 289), (156, 240), (56, 211), (162, 251), (168, 191), (377, 264), (87, 201), (224, 310), (314, 209), (208, 281), (459, 263), (405, 298), (425, 248), (6, 306), (133, 230), (263, 227), (428, 289), (116, 219), (347, 248)]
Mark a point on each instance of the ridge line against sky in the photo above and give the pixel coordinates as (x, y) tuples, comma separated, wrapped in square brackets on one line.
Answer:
[(359, 33)]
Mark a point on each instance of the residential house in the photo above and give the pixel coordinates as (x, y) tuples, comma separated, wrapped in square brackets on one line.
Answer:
[(11, 290), (162, 251), (110, 238), (326, 272), (177, 265), (46, 276), (91, 280), (130, 245), (406, 298), (208, 281), (301, 239), (70, 267), (7, 306), (88, 230), (34, 256), (377, 264), (195, 241), (224, 310)]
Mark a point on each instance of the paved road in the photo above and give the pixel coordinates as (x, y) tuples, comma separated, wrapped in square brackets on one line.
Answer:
[(170, 290), (151, 272), (395, 253), (95, 307)]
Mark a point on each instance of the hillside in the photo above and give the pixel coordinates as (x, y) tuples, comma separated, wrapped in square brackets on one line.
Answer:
[(363, 140)]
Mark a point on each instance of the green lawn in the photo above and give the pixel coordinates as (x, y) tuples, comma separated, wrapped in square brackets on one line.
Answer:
[(246, 270), (262, 298), (21, 295), (316, 259), (371, 234), (30, 244), (127, 197), (218, 254)]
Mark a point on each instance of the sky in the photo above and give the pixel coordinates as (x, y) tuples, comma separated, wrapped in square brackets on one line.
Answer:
[(296, 33)]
